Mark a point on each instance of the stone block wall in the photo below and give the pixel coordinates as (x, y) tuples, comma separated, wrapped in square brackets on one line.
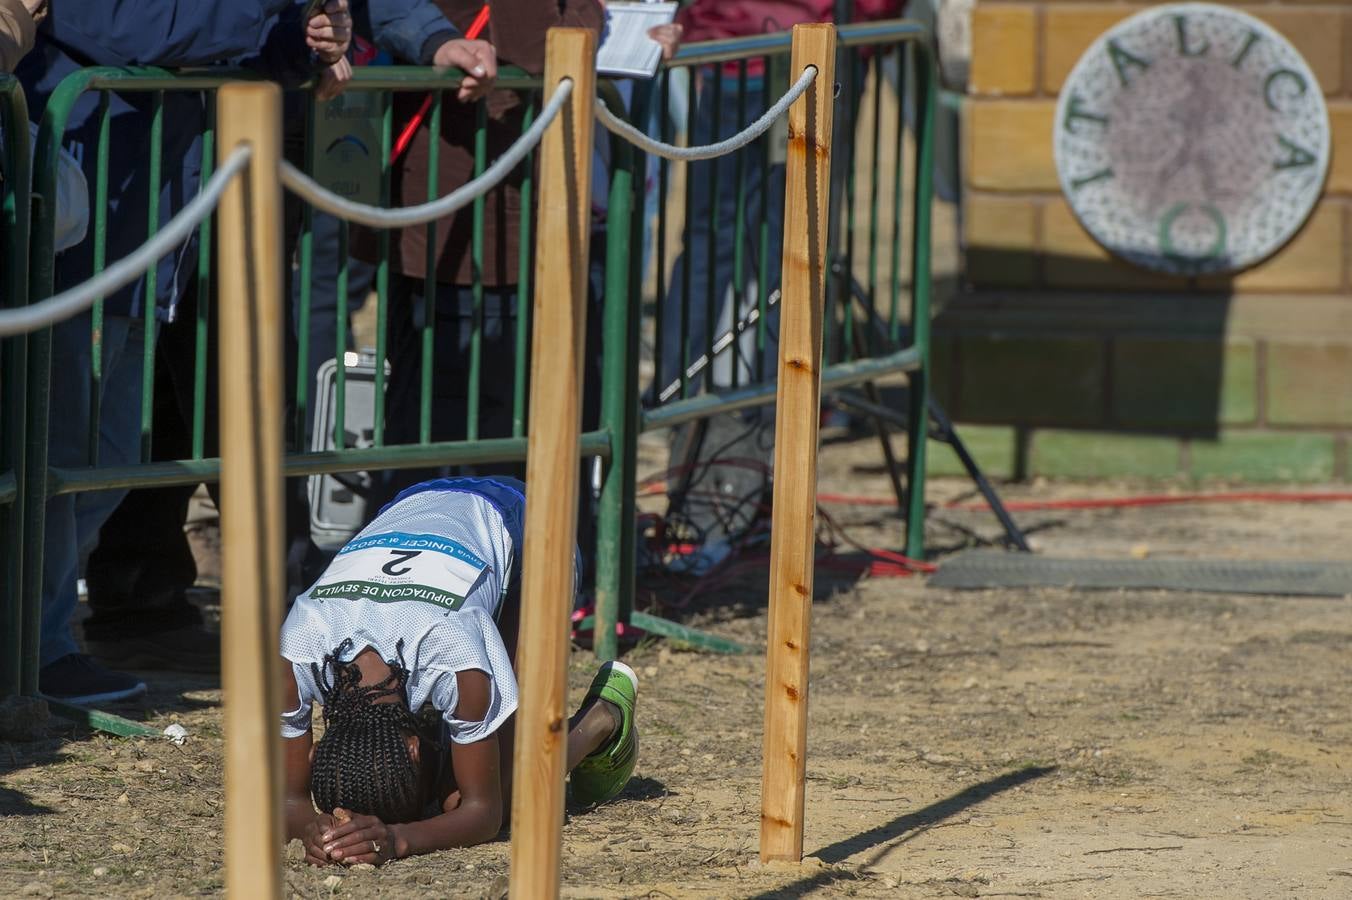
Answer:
[(1087, 366)]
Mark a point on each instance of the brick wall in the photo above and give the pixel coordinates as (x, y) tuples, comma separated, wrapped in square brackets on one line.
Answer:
[(1245, 377)]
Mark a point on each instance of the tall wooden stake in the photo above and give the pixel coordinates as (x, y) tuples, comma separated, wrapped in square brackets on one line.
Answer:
[(560, 308), (250, 219), (793, 528)]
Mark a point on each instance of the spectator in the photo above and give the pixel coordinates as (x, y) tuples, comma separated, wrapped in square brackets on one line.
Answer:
[(706, 20), (18, 29), (517, 30), (141, 571), (265, 34)]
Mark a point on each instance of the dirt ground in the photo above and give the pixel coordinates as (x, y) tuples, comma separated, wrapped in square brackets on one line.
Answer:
[(986, 744)]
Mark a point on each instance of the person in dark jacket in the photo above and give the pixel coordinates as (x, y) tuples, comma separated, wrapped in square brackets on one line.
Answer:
[(517, 29), (139, 574), (268, 35)]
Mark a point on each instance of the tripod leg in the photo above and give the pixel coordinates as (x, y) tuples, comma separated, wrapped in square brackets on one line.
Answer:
[(950, 437), (880, 424)]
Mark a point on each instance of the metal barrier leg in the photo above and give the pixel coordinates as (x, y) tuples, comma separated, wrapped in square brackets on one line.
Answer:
[(917, 431), (35, 502), (14, 210), (617, 397), (885, 440), (793, 533), (252, 535), (560, 309), (616, 526)]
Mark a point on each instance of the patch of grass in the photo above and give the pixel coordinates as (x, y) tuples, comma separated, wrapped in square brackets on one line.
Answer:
[(1261, 758), (666, 729), (1031, 762), (1265, 759)]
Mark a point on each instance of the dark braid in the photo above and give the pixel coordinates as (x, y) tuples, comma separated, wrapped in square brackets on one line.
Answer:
[(362, 762)]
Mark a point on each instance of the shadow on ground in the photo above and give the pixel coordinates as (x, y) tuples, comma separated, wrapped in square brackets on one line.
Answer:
[(900, 830)]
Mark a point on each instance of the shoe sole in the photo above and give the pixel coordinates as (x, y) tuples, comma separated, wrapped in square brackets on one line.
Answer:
[(106, 697)]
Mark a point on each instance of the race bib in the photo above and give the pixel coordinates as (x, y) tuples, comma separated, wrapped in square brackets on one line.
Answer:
[(395, 566)]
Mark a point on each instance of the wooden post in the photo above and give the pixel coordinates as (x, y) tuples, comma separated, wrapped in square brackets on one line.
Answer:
[(253, 577), (552, 456), (797, 402)]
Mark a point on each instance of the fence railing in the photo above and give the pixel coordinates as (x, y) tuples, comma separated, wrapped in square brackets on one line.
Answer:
[(870, 331), (713, 343), (46, 479), (14, 233)]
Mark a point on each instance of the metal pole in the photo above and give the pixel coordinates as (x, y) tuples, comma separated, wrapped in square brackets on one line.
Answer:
[(616, 396), (14, 208), (918, 430)]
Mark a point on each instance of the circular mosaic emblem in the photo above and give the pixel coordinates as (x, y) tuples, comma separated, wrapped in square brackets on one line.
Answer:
[(1192, 139)]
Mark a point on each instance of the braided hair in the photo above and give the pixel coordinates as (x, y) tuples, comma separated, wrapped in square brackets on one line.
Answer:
[(362, 762)]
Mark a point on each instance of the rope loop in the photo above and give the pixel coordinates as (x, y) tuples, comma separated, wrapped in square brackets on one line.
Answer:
[(615, 125), (320, 198), (70, 303)]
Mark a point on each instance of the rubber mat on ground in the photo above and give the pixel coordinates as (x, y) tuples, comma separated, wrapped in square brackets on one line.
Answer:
[(983, 569)]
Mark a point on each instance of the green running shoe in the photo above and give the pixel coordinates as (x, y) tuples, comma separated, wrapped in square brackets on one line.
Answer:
[(602, 775)]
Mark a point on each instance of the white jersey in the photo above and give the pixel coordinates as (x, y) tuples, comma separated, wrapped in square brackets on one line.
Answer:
[(430, 570)]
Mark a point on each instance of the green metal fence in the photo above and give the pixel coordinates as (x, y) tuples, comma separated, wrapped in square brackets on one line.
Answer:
[(872, 347), (45, 481), (14, 216), (869, 331)]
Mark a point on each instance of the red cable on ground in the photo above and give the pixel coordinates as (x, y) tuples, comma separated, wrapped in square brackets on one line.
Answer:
[(1119, 502)]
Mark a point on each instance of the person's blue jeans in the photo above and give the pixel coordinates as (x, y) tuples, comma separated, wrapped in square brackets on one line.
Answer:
[(714, 273), (73, 520)]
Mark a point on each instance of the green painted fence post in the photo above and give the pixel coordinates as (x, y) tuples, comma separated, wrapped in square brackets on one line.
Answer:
[(14, 215), (619, 404), (917, 432)]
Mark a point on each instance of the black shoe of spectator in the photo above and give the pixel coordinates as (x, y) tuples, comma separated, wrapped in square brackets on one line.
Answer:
[(75, 678), (188, 649)]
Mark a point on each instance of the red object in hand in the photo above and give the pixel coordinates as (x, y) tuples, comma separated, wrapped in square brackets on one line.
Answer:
[(476, 28)]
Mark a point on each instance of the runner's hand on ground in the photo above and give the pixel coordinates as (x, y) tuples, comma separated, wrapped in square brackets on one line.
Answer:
[(362, 839), (313, 839)]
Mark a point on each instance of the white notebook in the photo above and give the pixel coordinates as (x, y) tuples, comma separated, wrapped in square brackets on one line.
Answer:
[(626, 48)]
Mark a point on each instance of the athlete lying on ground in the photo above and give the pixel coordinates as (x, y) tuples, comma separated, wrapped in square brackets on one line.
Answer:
[(408, 640)]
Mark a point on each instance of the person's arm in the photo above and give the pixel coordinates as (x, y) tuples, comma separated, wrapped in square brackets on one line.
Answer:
[(161, 32), (18, 29), (297, 809), (294, 50), (411, 30), (416, 31), (475, 816)]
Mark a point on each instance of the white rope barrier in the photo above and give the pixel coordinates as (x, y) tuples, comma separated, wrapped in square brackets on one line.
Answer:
[(126, 270), (309, 190), (131, 267), (618, 126)]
